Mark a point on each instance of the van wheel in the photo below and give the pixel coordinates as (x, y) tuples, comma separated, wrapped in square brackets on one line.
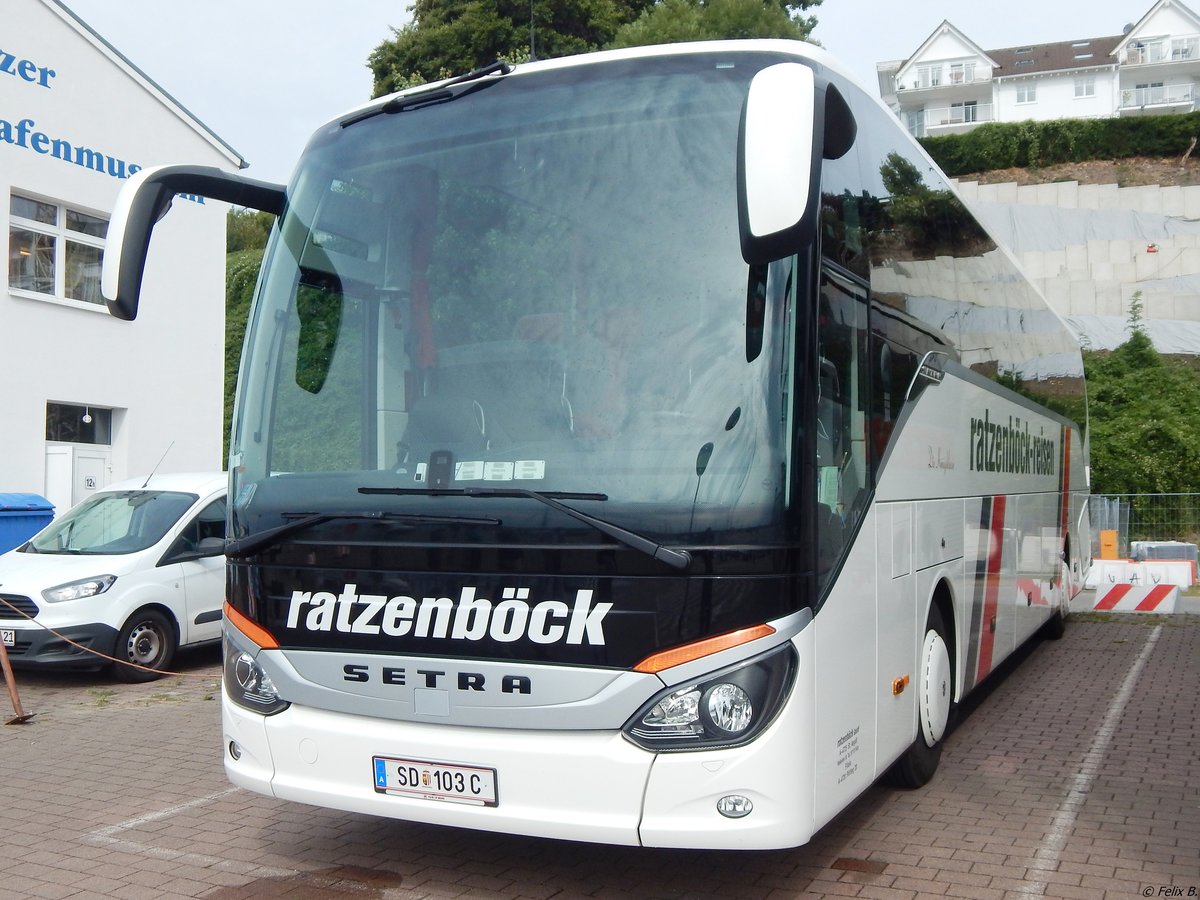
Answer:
[(935, 699), (147, 640)]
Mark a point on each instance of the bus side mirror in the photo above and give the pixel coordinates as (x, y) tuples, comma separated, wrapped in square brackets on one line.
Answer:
[(777, 168), (144, 199)]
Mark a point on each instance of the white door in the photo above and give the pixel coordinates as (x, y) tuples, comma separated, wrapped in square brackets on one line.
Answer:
[(92, 468), (74, 472), (60, 466), (204, 590)]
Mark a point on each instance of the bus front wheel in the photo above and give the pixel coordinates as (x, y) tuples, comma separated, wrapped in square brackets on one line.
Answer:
[(935, 699)]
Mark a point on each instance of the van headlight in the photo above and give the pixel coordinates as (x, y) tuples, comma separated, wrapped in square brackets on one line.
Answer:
[(725, 709), (78, 590), (248, 685)]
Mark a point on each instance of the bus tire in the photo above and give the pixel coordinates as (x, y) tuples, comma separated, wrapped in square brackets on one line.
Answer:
[(1055, 627), (935, 700)]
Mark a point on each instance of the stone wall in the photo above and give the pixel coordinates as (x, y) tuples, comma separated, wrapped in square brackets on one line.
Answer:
[(1091, 247)]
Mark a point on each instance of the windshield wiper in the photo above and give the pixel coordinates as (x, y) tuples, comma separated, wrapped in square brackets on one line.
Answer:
[(679, 559), (260, 540), (434, 94)]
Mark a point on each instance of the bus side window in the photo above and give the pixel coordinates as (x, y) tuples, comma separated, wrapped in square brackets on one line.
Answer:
[(893, 366), (842, 415)]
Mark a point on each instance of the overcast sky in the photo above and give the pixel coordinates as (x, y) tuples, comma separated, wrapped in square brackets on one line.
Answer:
[(263, 74)]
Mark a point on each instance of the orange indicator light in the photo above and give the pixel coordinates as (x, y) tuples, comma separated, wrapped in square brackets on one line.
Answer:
[(699, 649)]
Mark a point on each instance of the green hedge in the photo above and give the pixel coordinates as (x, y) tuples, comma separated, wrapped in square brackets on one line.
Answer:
[(1025, 145)]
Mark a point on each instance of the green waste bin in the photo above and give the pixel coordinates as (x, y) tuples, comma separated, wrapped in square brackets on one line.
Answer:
[(21, 517)]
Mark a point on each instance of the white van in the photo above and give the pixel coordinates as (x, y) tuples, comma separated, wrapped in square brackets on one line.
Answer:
[(127, 576)]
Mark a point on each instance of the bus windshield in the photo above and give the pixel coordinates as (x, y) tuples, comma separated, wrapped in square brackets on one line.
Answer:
[(531, 283)]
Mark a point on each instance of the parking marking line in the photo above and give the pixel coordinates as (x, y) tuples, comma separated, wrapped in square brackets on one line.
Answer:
[(107, 837), (109, 830), (1048, 855)]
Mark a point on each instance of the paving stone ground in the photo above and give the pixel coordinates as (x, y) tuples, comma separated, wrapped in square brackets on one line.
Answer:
[(1075, 774)]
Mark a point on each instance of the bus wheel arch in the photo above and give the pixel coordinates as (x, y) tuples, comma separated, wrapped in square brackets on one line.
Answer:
[(936, 682), (1056, 625)]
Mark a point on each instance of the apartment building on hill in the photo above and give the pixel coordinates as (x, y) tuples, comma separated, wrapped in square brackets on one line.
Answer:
[(951, 84)]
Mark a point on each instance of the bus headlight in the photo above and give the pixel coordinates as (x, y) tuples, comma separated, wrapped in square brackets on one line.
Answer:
[(248, 685), (725, 709)]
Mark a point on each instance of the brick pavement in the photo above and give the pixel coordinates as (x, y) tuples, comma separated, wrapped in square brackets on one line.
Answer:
[(1051, 785)]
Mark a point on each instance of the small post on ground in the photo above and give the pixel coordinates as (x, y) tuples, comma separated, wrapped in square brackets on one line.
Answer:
[(21, 716)]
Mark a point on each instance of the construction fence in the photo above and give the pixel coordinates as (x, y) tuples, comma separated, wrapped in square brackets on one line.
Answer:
[(1144, 517)]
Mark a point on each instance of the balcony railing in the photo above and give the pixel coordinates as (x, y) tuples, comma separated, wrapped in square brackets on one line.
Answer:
[(1159, 95), (931, 77), (1166, 50), (958, 115)]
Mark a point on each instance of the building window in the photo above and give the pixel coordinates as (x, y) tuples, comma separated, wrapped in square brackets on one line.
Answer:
[(1027, 93), (962, 73), (1085, 86), (1185, 48), (916, 123), (929, 76), (78, 424), (967, 111), (54, 250)]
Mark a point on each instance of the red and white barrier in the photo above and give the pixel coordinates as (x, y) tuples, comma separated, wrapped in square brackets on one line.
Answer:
[(1155, 598)]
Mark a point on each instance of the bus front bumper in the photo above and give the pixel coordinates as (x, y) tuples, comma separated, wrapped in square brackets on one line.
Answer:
[(572, 785)]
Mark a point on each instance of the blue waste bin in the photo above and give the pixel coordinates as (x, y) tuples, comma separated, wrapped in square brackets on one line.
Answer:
[(21, 517)]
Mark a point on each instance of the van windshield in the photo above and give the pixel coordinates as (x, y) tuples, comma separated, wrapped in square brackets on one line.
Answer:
[(114, 523)]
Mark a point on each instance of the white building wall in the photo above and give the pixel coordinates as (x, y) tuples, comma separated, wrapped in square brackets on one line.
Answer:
[(944, 48), (1166, 22), (1055, 98), (162, 375)]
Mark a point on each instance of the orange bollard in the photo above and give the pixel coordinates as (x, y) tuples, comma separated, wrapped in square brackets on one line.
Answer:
[(1108, 544)]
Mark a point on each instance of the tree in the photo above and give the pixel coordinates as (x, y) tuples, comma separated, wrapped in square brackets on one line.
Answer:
[(451, 37), (247, 229), (241, 275), (1144, 415), (674, 21), (246, 233)]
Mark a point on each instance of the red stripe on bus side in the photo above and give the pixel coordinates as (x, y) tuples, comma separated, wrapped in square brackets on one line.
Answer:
[(991, 591), (1113, 597), (1156, 596), (1066, 479), (1031, 592)]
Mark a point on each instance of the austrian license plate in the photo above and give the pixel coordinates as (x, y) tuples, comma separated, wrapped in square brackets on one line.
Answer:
[(8, 637), (427, 780)]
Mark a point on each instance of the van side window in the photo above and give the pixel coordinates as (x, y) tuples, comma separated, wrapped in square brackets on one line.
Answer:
[(208, 523)]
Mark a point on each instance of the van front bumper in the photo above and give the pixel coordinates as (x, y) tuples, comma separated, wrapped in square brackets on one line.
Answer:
[(72, 647)]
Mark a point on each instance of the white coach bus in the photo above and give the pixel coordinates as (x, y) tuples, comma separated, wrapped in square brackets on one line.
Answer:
[(645, 447)]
